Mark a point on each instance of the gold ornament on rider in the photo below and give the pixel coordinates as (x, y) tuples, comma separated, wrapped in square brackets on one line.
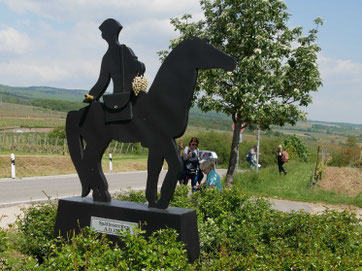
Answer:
[(139, 84)]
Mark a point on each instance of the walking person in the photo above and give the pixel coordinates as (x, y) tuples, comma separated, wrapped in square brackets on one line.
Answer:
[(252, 162), (281, 160)]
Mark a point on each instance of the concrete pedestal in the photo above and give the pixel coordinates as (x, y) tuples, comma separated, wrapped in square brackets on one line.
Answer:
[(109, 217)]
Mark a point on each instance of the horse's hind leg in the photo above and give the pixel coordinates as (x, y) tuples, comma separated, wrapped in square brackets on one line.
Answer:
[(154, 166), (175, 166), (92, 165)]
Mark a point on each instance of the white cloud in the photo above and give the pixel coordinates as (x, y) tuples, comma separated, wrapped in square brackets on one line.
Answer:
[(340, 71), (12, 41), (67, 44), (340, 97), (25, 72)]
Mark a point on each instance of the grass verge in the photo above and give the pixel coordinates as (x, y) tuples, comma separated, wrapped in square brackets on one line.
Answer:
[(296, 185), (46, 165)]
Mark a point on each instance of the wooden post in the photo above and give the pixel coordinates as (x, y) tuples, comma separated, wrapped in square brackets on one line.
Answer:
[(109, 146), (120, 151), (129, 144), (315, 177), (115, 147), (64, 143)]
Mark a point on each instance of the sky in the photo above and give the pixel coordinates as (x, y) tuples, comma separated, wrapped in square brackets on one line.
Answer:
[(58, 44)]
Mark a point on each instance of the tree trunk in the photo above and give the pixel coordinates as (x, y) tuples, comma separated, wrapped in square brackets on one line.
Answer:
[(233, 154)]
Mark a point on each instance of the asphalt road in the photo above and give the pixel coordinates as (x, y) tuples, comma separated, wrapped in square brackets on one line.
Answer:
[(19, 191), (26, 190)]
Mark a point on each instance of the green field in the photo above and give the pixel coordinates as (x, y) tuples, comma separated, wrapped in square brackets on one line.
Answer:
[(6, 123), (325, 132), (26, 111), (296, 185)]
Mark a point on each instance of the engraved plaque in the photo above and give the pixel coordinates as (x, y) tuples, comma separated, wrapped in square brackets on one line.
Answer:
[(111, 226)]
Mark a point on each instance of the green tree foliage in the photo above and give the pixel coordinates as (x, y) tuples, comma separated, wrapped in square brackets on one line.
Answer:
[(217, 142), (344, 156), (58, 132), (351, 141), (57, 105), (295, 148), (277, 65)]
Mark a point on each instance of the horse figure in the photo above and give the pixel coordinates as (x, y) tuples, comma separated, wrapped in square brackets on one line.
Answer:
[(159, 116)]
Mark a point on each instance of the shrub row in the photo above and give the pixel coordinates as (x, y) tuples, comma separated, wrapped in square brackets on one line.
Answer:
[(236, 233)]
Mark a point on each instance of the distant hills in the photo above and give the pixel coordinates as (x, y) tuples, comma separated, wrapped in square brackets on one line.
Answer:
[(46, 97), (29, 93), (64, 100)]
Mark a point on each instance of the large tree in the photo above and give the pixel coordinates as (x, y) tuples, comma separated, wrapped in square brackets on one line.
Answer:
[(277, 65)]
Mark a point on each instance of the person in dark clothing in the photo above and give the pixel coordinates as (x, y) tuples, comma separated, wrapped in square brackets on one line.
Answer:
[(280, 160), (191, 162)]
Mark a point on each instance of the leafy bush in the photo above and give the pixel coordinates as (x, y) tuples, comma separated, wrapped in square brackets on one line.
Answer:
[(57, 105), (295, 147), (236, 232), (59, 132), (87, 251), (255, 237), (132, 195), (4, 245), (3, 241), (214, 141), (36, 234), (357, 163), (343, 156)]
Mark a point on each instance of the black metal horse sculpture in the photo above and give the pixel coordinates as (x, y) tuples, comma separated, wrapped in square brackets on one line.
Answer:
[(159, 116)]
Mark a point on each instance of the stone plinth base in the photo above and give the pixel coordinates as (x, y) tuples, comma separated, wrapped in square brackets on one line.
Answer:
[(109, 217)]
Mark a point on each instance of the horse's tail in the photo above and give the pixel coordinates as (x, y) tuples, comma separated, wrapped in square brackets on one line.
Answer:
[(75, 144)]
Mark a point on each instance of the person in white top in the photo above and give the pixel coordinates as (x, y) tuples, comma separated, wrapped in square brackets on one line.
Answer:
[(191, 160)]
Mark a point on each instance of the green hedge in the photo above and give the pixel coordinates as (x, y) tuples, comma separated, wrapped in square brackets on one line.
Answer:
[(236, 233)]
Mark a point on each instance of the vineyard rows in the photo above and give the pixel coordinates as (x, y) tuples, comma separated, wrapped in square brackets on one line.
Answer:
[(7, 123), (43, 144)]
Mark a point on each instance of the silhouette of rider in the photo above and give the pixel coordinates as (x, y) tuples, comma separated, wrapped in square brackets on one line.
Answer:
[(118, 63)]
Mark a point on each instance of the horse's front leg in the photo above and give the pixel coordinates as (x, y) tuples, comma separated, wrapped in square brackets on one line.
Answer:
[(154, 166), (92, 167), (175, 167)]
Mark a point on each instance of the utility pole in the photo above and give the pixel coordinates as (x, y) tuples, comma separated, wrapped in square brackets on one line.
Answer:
[(257, 150)]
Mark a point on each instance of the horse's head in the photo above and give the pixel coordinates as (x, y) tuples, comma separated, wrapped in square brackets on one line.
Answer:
[(206, 56)]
